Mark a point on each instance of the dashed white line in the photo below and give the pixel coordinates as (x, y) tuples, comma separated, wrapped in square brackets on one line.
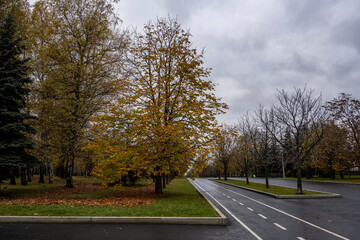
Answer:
[(241, 204), (224, 194), (238, 220), (250, 209), (300, 238), (285, 213), (279, 226), (228, 196), (234, 200), (262, 216)]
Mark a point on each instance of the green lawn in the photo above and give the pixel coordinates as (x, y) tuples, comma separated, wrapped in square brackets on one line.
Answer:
[(277, 190), (347, 179), (180, 199)]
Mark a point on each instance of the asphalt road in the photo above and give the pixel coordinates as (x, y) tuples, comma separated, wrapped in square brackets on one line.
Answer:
[(251, 216)]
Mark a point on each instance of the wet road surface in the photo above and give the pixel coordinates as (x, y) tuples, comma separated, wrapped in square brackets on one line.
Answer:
[(251, 216)]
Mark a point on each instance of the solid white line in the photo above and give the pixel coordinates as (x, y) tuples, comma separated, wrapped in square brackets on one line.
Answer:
[(262, 216), (234, 200), (279, 226), (241, 204), (238, 220), (300, 238), (287, 214), (250, 209)]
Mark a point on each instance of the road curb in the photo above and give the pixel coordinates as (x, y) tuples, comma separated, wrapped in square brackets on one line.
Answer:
[(222, 219), (326, 195), (109, 220)]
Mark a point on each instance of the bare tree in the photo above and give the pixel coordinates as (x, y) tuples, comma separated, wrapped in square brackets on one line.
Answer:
[(242, 150), (224, 146), (303, 116)]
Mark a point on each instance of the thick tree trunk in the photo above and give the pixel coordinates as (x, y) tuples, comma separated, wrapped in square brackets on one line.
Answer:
[(23, 176), (298, 175), (69, 174), (158, 184), (225, 172), (12, 176), (41, 180), (28, 170)]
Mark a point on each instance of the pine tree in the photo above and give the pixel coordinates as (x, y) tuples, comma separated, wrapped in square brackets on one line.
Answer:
[(14, 142)]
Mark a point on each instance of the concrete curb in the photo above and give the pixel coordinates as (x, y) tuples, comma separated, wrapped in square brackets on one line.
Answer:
[(325, 195), (222, 219), (109, 220)]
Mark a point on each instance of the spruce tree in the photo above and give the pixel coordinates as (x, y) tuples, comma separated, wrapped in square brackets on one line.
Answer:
[(14, 132)]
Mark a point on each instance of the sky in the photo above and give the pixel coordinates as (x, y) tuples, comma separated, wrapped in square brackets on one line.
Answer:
[(255, 47)]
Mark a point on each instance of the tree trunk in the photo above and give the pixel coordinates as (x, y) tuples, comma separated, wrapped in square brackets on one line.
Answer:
[(246, 174), (28, 170), (12, 176), (298, 175), (266, 176), (23, 176), (163, 181), (50, 171), (69, 174), (167, 178), (41, 180), (158, 184), (225, 172)]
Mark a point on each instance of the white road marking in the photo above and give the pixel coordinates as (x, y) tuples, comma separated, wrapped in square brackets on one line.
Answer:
[(241, 204), (224, 194), (300, 238), (238, 220), (285, 213), (279, 226), (228, 196), (234, 200), (250, 209), (262, 216)]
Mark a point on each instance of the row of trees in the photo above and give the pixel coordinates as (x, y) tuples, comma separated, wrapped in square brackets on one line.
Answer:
[(125, 105), (297, 136)]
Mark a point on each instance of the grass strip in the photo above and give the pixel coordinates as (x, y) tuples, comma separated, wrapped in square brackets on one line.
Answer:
[(351, 179), (277, 190), (180, 199)]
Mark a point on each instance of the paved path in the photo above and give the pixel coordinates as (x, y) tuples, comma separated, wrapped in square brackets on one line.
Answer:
[(251, 216)]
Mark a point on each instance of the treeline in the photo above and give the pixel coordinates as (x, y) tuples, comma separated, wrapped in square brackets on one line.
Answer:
[(119, 104), (298, 136)]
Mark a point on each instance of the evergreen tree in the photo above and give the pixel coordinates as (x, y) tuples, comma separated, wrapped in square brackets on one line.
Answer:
[(14, 142)]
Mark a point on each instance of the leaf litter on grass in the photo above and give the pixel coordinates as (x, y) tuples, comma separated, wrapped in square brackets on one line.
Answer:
[(61, 195)]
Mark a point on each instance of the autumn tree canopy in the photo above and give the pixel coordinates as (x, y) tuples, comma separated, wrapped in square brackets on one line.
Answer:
[(170, 99), (77, 57)]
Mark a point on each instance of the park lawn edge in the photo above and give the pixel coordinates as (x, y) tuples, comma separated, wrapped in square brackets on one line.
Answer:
[(270, 191), (176, 195), (351, 181)]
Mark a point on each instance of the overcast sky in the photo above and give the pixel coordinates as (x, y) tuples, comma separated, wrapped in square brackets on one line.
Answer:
[(257, 46)]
